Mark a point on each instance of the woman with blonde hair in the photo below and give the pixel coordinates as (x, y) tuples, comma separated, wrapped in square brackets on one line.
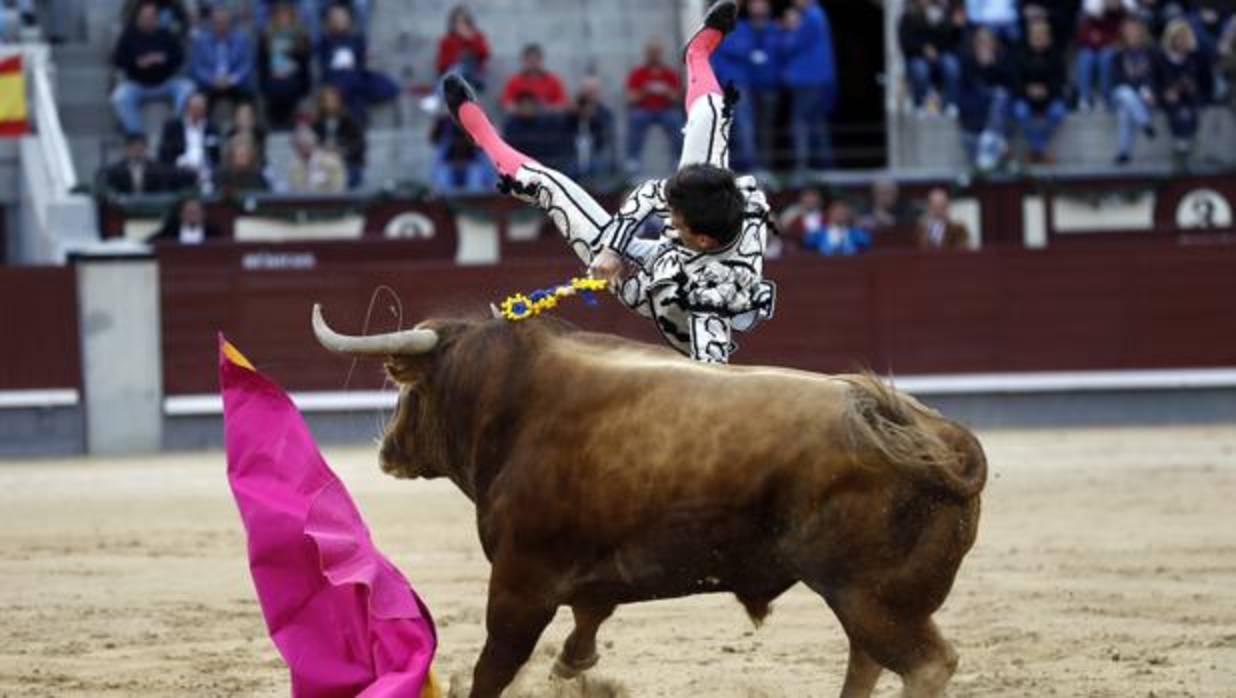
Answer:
[(1183, 81)]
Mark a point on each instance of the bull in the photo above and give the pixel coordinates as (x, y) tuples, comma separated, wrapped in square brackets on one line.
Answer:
[(606, 471)]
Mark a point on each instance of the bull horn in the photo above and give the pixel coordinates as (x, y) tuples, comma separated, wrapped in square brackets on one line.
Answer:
[(416, 341)]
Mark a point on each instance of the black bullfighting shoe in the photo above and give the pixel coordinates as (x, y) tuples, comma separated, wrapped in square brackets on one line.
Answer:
[(456, 92), (722, 16)]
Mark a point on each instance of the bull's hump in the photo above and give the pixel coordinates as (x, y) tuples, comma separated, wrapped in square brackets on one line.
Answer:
[(639, 359)]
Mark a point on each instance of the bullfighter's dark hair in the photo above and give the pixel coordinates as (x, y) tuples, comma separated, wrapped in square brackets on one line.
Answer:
[(708, 200)]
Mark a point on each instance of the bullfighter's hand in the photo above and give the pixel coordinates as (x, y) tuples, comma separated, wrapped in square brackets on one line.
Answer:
[(608, 265)]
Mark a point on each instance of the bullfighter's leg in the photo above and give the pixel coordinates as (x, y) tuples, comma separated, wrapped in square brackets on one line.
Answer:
[(514, 622), (579, 653), (706, 138), (861, 675), (580, 218)]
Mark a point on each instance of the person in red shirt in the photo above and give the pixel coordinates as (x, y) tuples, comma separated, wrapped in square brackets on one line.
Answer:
[(463, 47), (654, 93), (533, 79)]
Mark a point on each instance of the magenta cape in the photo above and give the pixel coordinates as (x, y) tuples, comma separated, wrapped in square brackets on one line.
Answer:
[(344, 618)]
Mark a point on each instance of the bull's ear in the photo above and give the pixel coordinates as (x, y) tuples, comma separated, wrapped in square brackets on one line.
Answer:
[(406, 369)]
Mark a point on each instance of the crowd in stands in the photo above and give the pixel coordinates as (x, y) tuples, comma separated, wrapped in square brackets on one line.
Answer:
[(1005, 65)]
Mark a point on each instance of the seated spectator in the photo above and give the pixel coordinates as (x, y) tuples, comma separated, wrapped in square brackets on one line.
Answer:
[(221, 60), (187, 225), (997, 16), (338, 131), (1063, 16), (284, 65), (810, 74), (1208, 18), (986, 82), (245, 125), (803, 218), (1097, 42), (191, 141), (138, 174), (537, 133), (839, 236), (343, 59), (654, 98), (150, 58), (172, 15), (749, 59), (887, 210), (310, 13), (241, 170), (463, 48), (592, 125), (1133, 74), (930, 43), (1039, 104), (459, 167), (1183, 81), (534, 80), (315, 170), (937, 230)]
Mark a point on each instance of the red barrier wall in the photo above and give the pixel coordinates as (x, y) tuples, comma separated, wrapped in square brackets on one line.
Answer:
[(38, 311), (998, 310)]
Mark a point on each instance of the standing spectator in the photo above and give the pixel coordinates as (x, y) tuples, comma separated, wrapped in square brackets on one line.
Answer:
[(534, 80), (187, 225), (653, 94), (1133, 74), (221, 60), (1039, 107), (315, 170), (172, 15), (1208, 19), (150, 57), (343, 59), (284, 65), (839, 237), (245, 125), (810, 74), (138, 174), (463, 48), (937, 230), (241, 170), (338, 131), (459, 167), (592, 125), (887, 211), (930, 39), (538, 133), (998, 16), (748, 58), (1097, 41), (1183, 78), (191, 141), (986, 81)]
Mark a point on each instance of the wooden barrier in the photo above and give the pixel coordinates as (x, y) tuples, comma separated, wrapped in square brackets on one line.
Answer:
[(38, 312), (998, 310)]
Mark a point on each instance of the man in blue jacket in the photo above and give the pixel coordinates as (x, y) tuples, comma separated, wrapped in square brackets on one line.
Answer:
[(221, 60), (749, 59), (810, 74)]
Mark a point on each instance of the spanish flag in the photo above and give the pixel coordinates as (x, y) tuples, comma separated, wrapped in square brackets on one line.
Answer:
[(346, 621), (12, 97)]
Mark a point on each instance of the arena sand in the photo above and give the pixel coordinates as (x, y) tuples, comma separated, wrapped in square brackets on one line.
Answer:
[(1106, 566)]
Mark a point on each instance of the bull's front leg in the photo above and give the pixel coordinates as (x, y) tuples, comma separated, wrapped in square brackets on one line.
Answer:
[(514, 622), (579, 653)]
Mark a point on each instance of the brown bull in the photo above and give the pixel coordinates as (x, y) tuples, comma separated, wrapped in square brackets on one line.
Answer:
[(606, 471)]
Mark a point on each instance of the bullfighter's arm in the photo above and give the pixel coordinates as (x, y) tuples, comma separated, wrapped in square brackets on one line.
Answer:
[(623, 230)]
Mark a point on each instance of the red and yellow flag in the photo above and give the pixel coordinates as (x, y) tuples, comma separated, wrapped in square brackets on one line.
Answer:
[(13, 121)]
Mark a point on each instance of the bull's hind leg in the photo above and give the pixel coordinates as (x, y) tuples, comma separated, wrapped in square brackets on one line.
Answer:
[(579, 653)]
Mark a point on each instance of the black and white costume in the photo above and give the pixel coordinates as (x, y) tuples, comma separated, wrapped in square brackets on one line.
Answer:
[(696, 299)]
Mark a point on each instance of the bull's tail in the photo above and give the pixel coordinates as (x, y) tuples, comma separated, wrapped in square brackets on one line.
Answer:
[(913, 437)]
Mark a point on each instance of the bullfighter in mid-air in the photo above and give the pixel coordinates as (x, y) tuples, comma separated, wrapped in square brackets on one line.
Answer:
[(703, 277)]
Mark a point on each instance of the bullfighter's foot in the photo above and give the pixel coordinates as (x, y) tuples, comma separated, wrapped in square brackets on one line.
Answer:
[(565, 669), (457, 92), (719, 21)]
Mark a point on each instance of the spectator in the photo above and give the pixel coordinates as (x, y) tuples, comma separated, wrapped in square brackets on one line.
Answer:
[(984, 104), (534, 80), (311, 11), (138, 174), (187, 225), (1097, 41), (241, 170), (284, 67), (315, 170), (1208, 19), (1133, 74), (748, 58), (930, 38), (343, 58), (1062, 15), (654, 96), (1183, 78), (937, 230), (463, 48), (172, 15), (459, 167), (592, 125), (997, 16), (150, 58), (338, 131), (221, 60), (887, 210), (538, 134), (191, 141), (245, 125), (839, 236), (1227, 59), (1039, 107), (810, 75)]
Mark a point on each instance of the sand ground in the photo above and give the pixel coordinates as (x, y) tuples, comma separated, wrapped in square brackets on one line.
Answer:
[(1106, 566)]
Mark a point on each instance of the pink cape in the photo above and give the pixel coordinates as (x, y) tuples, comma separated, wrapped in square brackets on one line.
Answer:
[(344, 618)]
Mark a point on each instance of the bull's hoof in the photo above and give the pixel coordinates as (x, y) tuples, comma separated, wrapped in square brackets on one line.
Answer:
[(568, 671)]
